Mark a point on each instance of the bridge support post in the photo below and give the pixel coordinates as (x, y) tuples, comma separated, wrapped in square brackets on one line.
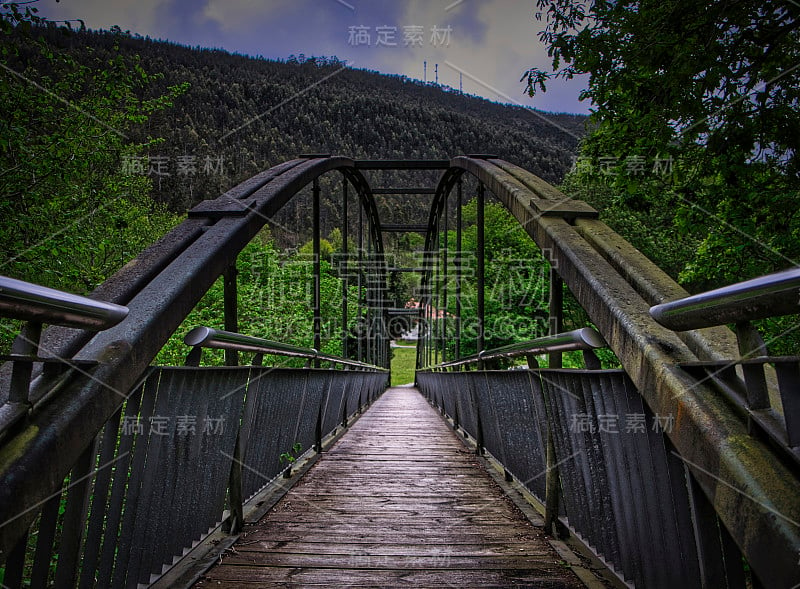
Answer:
[(360, 354), (556, 319), (231, 298), (444, 282), (316, 240), (25, 344), (481, 271), (552, 487), (235, 521), (459, 197), (435, 296), (752, 345), (345, 267)]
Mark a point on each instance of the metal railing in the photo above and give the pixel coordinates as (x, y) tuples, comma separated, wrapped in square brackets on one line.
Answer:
[(236, 442), (767, 296), (207, 337), (585, 339), (597, 460), (37, 305), (762, 387), (31, 302)]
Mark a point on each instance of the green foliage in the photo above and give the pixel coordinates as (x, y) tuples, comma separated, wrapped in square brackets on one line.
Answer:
[(68, 217), (292, 455), (651, 230), (325, 248), (404, 361), (712, 88), (275, 300)]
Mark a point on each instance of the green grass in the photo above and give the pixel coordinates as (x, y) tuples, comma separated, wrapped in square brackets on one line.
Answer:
[(403, 363)]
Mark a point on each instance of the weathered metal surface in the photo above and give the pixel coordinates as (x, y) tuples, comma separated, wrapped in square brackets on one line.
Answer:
[(412, 190), (652, 284), (405, 228), (766, 296), (277, 396), (31, 302), (402, 164), (208, 337), (397, 501), (221, 207), (566, 209), (709, 435), (624, 490), (334, 401), (779, 422), (585, 338)]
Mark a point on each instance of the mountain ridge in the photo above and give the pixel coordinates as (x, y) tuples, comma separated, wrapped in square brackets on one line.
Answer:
[(243, 114)]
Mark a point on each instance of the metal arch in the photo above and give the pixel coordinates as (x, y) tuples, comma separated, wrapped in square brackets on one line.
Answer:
[(160, 287), (367, 202), (753, 492), (443, 189), (367, 199)]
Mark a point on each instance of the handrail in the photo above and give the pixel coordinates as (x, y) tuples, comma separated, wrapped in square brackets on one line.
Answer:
[(207, 337), (31, 302), (585, 338), (767, 296)]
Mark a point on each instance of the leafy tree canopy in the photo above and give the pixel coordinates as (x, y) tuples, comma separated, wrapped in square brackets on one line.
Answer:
[(713, 88)]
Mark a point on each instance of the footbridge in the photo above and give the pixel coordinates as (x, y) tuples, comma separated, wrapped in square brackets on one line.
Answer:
[(658, 445)]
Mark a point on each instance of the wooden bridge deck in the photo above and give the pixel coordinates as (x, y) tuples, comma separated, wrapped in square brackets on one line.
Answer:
[(397, 501)]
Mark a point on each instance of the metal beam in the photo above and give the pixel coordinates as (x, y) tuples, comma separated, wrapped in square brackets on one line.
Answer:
[(405, 228), (345, 270), (317, 327), (31, 302), (403, 191), (402, 164), (231, 303)]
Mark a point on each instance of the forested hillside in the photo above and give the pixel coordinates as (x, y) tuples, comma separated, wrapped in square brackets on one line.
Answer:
[(107, 139), (240, 115)]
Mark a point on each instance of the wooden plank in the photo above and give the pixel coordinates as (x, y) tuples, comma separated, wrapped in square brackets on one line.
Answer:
[(386, 549), (398, 500), (236, 577), (366, 560)]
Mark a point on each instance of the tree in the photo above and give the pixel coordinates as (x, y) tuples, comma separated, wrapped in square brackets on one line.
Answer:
[(69, 213), (697, 104)]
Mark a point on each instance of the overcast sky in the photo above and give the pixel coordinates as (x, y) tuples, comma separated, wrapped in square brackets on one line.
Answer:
[(489, 42)]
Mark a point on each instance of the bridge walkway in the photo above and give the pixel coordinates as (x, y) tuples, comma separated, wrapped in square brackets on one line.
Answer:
[(397, 501)]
